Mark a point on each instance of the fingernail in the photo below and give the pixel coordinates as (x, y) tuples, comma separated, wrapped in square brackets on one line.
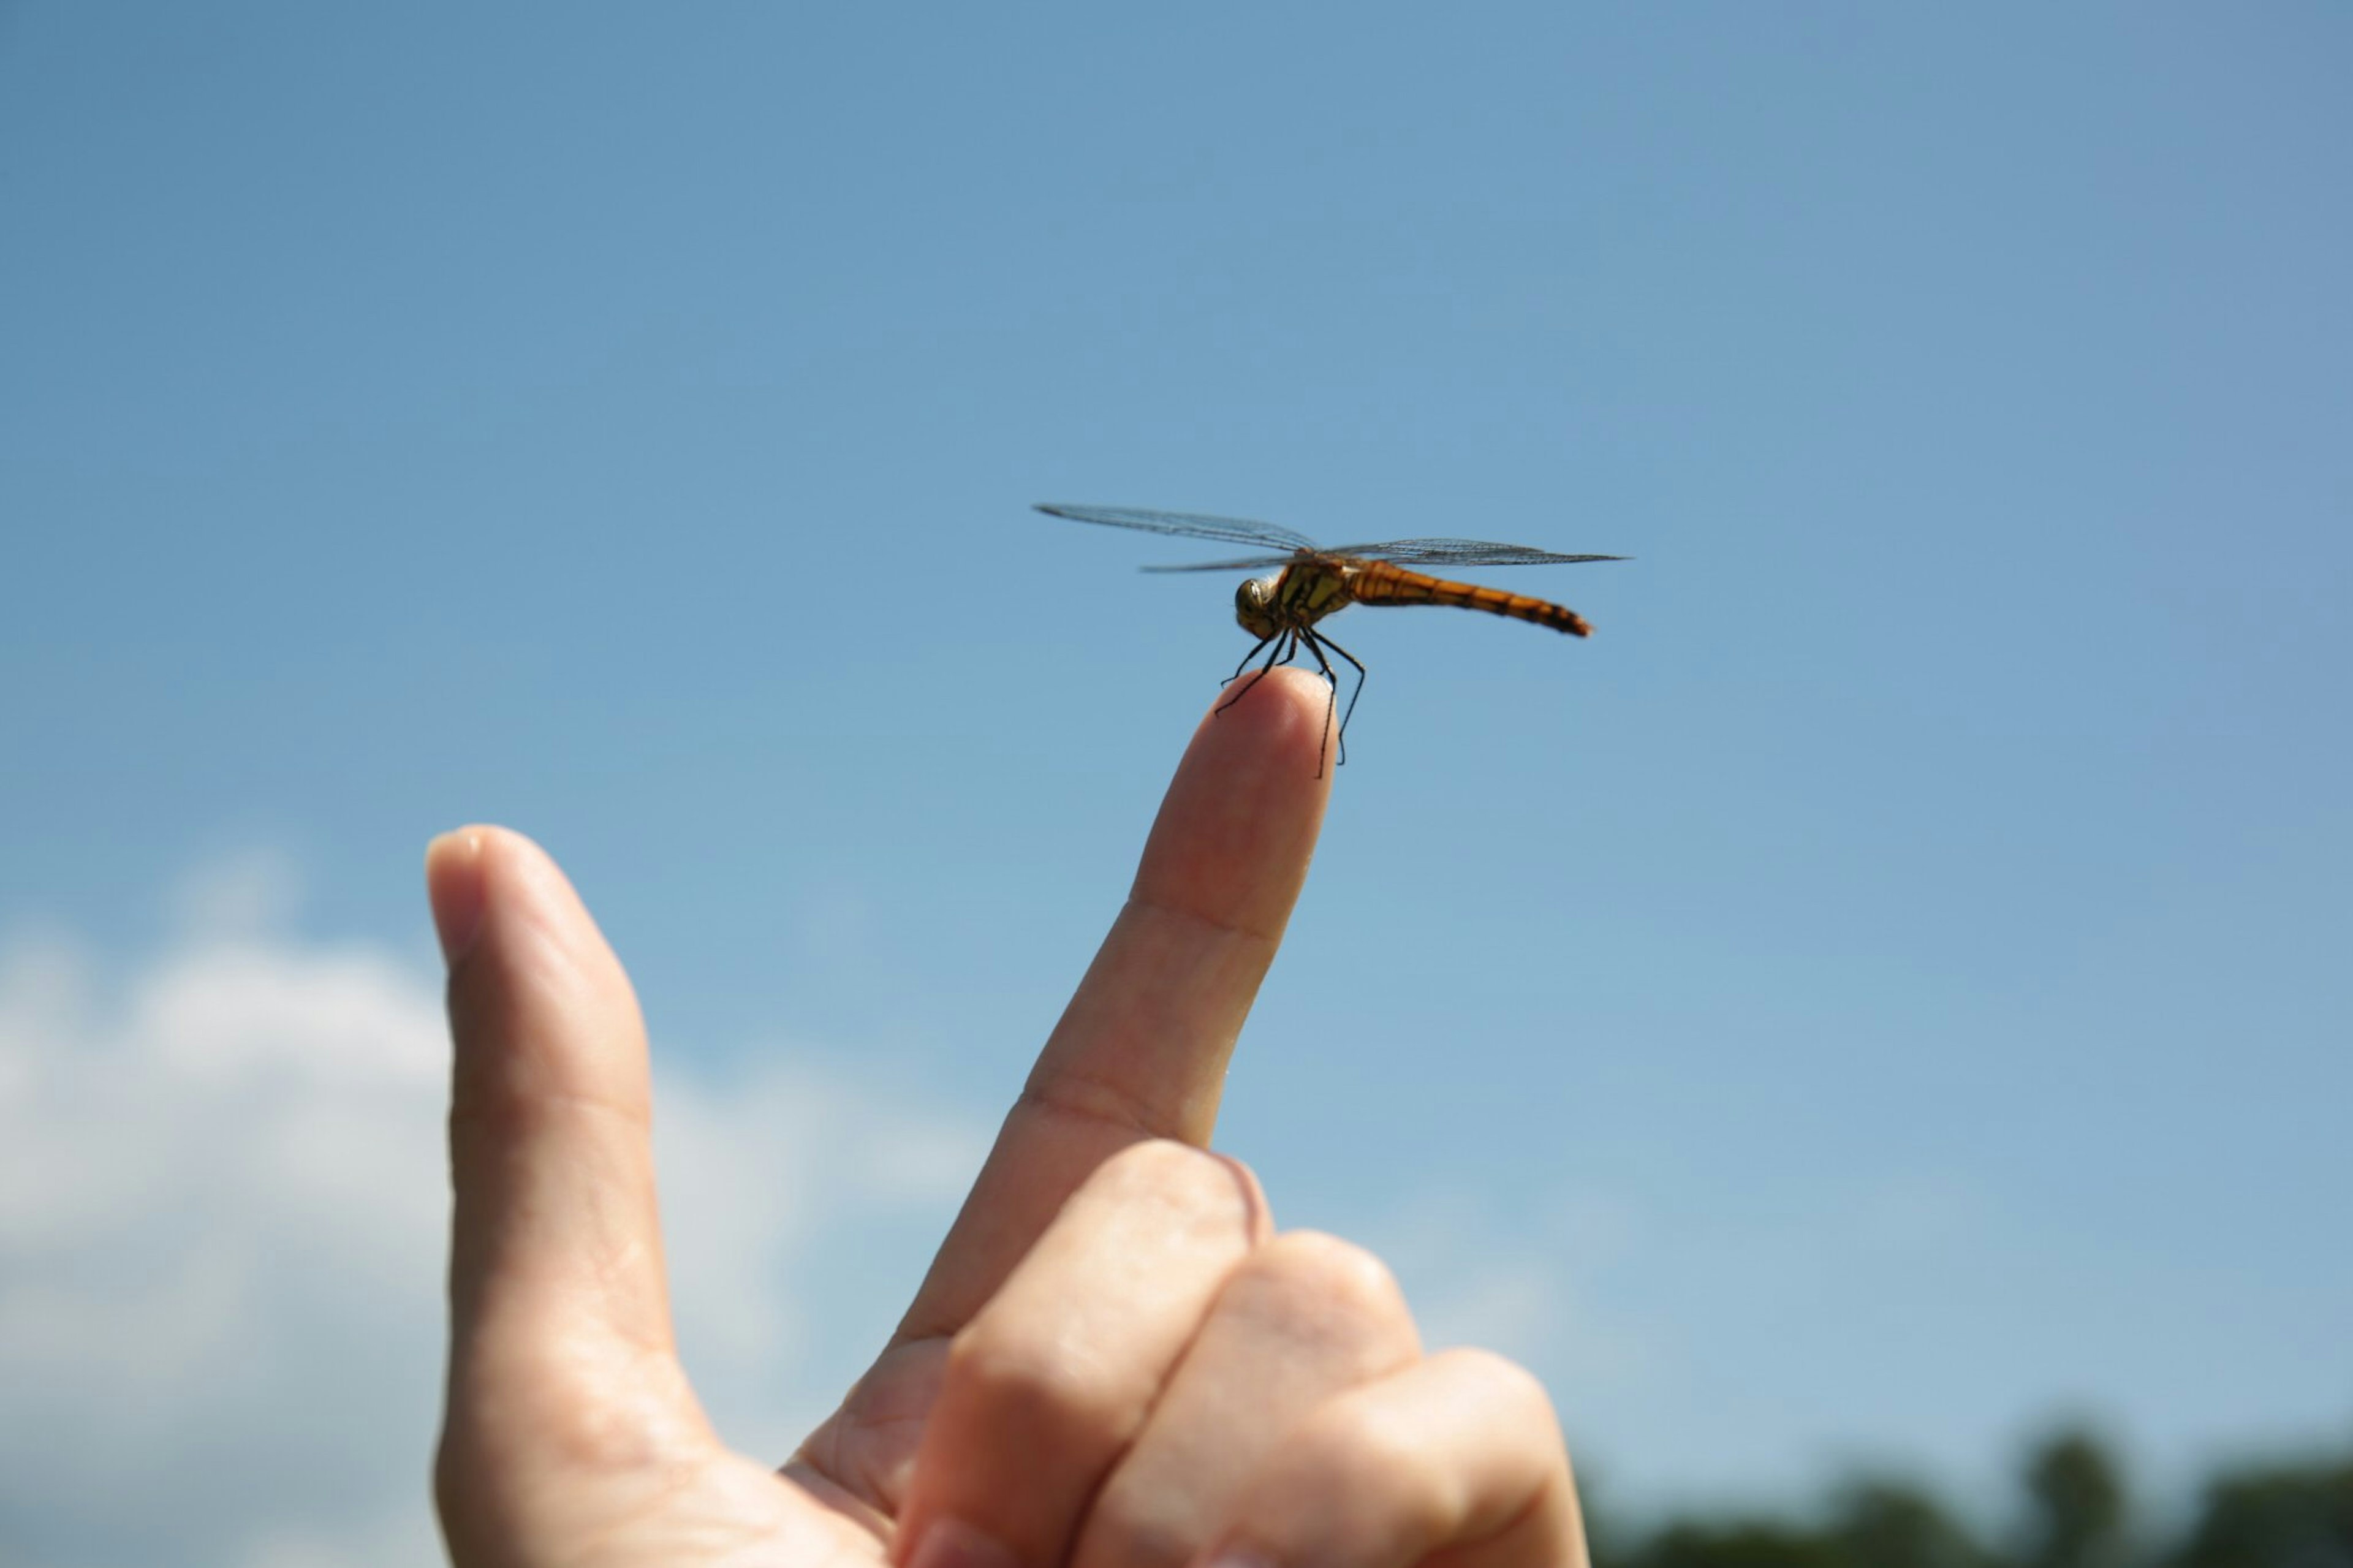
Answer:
[(951, 1544), (453, 882), (1239, 1557)]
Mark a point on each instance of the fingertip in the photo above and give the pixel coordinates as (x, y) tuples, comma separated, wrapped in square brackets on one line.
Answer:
[(497, 894), (482, 870), (1238, 825), (951, 1544), (1281, 721), (454, 885)]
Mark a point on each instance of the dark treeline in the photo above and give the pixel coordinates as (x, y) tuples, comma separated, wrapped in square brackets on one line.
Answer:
[(2073, 1510)]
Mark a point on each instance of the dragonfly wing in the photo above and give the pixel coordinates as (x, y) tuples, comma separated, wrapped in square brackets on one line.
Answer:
[(1254, 563), (1191, 525), (1459, 553)]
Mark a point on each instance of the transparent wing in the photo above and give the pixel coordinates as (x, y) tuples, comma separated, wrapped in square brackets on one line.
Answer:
[(1459, 553), (1191, 525), (1252, 564)]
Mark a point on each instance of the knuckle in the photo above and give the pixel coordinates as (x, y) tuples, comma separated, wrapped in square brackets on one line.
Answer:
[(1379, 1455), (1336, 1274), (1163, 1164), (1190, 1186), (1034, 1384), (1510, 1387)]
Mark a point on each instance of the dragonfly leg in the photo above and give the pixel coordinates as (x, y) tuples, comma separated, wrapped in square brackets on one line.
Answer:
[(1316, 645), (1253, 653), (1286, 648), (1351, 657)]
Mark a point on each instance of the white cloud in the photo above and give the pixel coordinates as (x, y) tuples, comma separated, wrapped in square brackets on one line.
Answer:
[(223, 1210), (254, 891)]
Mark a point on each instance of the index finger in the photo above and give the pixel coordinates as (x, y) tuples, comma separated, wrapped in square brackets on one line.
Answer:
[(1141, 1051)]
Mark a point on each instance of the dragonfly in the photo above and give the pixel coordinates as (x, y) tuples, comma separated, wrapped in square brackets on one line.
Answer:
[(1306, 582)]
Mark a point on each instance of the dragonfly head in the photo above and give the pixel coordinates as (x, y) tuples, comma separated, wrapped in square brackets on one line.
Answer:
[(1254, 607)]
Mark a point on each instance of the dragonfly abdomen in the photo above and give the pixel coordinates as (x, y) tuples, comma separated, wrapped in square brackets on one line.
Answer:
[(1382, 583)]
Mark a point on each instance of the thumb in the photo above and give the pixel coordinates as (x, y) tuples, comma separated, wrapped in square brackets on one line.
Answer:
[(561, 1354)]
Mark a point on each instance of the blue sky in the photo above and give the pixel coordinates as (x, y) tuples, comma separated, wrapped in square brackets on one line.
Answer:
[(1885, 989)]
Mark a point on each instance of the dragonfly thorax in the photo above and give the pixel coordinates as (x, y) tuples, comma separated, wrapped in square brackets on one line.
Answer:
[(1298, 596)]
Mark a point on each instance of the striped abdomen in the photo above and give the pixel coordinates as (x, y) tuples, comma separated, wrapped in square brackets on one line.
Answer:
[(1382, 583)]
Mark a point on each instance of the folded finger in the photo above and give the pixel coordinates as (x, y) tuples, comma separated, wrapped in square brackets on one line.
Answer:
[(1046, 1388), (1305, 1318), (1457, 1458)]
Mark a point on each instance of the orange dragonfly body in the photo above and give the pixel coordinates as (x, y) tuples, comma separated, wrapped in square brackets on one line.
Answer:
[(1308, 582)]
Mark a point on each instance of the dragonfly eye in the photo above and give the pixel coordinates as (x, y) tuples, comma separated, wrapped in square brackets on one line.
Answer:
[(1253, 602)]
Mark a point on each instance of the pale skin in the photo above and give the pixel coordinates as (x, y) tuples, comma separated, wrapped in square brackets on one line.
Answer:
[(1116, 1359)]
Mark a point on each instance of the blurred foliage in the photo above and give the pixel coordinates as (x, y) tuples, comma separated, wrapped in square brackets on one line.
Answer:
[(2074, 1510), (2074, 1506), (2298, 1514)]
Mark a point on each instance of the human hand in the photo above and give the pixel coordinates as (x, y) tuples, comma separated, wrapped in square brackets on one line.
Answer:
[(1115, 1359)]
